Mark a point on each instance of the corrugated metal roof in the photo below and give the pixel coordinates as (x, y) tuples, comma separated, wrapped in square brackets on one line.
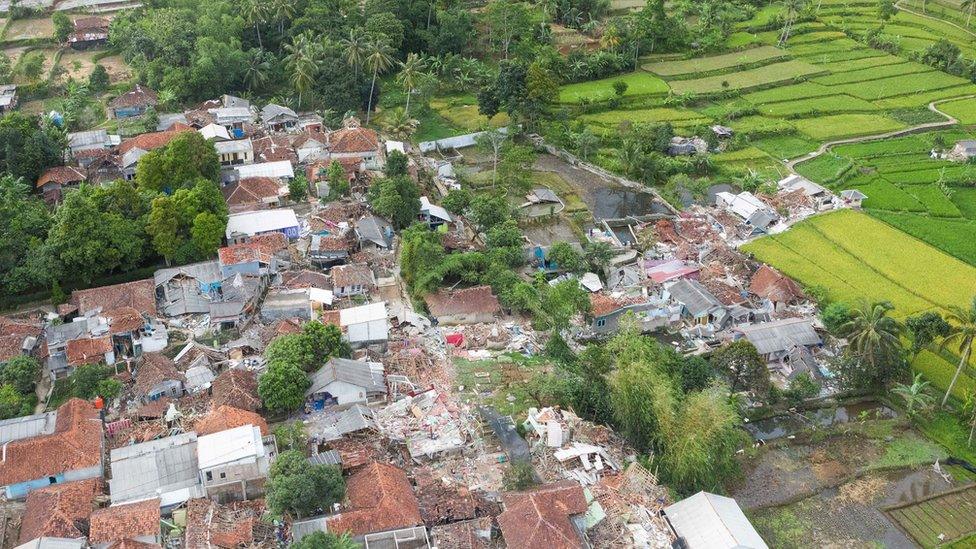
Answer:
[(280, 168), (229, 446), (329, 457), (26, 427), (698, 300), (780, 335), (710, 521), (54, 543), (153, 469), (368, 375), (350, 420)]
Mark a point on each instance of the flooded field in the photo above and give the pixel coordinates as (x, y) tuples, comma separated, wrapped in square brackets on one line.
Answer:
[(603, 199), (793, 423)]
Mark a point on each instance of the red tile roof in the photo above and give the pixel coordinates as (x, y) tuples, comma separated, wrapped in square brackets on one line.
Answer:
[(771, 284), (305, 279), (352, 275), (603, 304), (124, 320), (380, 498), (156, 368), (75, 444), (353, 140), (539, 519), (138, 96), (87, 350), (238, 388), (140, 295), (11, 346), (153, 140), (257, 248), (227, 417), (62, 175), (121, 522), (252, 190), (54, 511), (132, 544), (465, 301)]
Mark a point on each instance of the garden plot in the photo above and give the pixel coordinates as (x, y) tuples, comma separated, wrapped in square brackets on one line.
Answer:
[(48, 54), (28, 29), (818, 105), (638, 83), (939, 519), (751, 78), (13, 54), (680, 118), (77, 64), (717, 62)]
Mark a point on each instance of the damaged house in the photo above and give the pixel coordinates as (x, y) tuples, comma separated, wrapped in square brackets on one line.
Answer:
[(787, 345), (464, 306)]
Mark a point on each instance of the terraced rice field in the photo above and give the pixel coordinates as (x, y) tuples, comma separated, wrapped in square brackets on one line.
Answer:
[(747, 79), (855, 256), (638, 83), (717, 62)]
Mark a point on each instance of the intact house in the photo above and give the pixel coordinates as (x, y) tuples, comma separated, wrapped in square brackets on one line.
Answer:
[(242, 226), (51, 448), (755, 214), (254, 193), (234, 463), (342, 383), (53, 181), (853, 198), (133, 103), (88, 145), (234, 118), (350, 280), (88, 32), (374, 232), (157, 377), (465, 306), (284, 303), (710, 521), (280, 170), (166, 468), (311, 147), (58, 512), (365, 325), (277, 118), (380, 503), (787, 345), (8, 98), (354, 141), (131, 150), (125, 525), (234, 152)]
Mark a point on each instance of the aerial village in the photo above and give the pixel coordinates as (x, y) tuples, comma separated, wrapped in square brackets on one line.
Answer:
[(605, 286), (183, 452)]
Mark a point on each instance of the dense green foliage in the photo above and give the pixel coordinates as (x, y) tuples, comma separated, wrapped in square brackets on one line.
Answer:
[(299, 489)]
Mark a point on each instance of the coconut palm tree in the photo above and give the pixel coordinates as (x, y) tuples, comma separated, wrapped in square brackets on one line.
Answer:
[(872, 335), (301, 62), (969, 6), (410, 72), (915, 395), (283, 10), (355, 48), (255, 12), (961, 336), (256, 71), (793, 9), (378, 60), (399, 124)]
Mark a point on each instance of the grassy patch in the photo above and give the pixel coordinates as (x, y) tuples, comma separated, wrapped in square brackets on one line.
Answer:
[(638, 83), (908, 450), (818, 105), (751, 78), (676, 116), (963, 110), (716, 62), (499, 382), (786, 146)]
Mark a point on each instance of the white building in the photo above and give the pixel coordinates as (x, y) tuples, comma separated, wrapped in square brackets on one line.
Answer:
[(754, 212), (366, 324), (242, 226), (234, 463), (709, 521), (164, 468)]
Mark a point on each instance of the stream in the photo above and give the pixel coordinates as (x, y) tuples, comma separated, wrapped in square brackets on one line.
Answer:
[(794, 423)]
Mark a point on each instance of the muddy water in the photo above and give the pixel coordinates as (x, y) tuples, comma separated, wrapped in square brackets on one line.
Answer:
[(605, 200), (791, 424)]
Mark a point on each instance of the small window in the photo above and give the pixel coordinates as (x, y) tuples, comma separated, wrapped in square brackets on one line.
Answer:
[(223, 475), (601, 322), (209, 476)]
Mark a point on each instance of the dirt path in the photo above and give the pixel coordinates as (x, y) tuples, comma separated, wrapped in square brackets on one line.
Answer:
[(42, 390), (950, 121)]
